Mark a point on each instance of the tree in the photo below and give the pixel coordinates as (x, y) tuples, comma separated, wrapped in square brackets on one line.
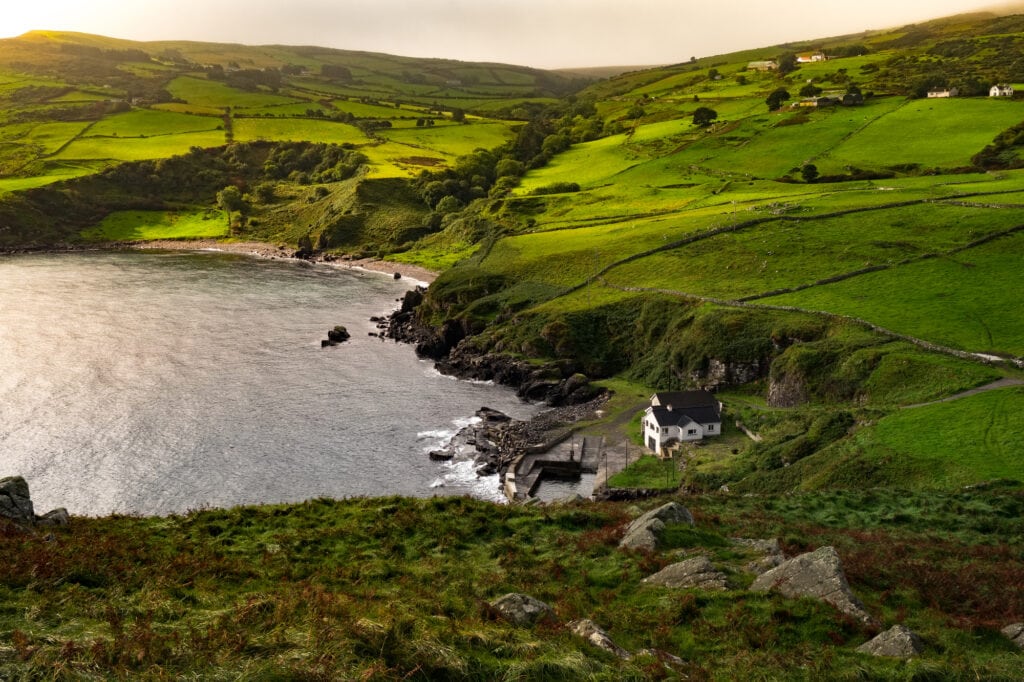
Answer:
[(776, 99), (703, 116), (810, 90), (809, 172), (786, 64), (230, 199)]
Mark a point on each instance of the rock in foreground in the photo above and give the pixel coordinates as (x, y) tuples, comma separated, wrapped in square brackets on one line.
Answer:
[(16, 505), (896, 642), (818, 574)]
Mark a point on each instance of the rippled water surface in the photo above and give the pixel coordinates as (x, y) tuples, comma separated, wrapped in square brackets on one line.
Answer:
[(160, 382)]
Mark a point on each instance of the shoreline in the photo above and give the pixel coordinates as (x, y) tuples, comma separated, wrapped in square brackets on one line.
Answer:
[(414, 273), (266, 250)]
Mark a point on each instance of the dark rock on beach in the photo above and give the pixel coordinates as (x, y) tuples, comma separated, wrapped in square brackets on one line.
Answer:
[(16, 505)]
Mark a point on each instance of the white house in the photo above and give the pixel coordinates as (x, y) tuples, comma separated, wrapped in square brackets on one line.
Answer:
[(1001, 91), (679, 417), (951, 92), (808, 57), (762, 66)]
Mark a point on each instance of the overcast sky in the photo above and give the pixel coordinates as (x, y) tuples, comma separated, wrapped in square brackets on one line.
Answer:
[(542, 33)]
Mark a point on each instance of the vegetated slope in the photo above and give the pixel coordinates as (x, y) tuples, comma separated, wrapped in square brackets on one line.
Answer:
[(122, 100), (400, 589), (837, 258)]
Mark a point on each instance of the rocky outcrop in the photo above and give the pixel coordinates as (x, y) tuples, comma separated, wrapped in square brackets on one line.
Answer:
[(896, 642), (698, 572), (787, 391), (589, 631), (719, 373), (819, 575), (1015, 633), (643, 532), (555, 383), (335, 336), (15, 501), (16, 505), (521, 609)]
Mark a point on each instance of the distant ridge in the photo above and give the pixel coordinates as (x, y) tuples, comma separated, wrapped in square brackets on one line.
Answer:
[(599, 72)]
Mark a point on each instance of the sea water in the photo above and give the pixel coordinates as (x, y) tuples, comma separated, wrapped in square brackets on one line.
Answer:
[(156, 383)]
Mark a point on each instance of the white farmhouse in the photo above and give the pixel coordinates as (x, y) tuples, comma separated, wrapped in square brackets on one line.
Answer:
[(679, 417), (1001, 91)]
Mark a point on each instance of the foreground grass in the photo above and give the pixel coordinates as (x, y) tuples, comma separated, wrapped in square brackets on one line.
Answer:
[(395, 588)]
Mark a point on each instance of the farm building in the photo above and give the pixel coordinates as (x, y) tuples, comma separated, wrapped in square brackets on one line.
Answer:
[(762, 66), (937, 94), (1001, 91), (679, 417), (808, 57), (818, 102)]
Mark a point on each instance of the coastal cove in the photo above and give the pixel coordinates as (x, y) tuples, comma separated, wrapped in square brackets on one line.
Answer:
[(159, 382)]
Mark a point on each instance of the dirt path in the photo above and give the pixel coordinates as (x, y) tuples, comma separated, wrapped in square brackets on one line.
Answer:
[(999, 383)]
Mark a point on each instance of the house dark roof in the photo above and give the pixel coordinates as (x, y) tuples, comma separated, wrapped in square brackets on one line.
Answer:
[(676, 408), (667, 417)]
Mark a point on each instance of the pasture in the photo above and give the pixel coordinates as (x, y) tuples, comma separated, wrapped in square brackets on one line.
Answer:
[(149, 122), (138, 148), (208, 93), (249, 129), (451, 140), (969, 300), (950, 445), (124, 226), (943, 133)]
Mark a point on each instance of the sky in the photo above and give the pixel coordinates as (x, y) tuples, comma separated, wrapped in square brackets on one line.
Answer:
[(540, 33)]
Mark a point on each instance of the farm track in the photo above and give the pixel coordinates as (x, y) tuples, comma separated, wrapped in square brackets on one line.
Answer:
[(994, 386)]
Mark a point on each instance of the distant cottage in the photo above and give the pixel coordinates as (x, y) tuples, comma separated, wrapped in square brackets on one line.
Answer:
[(808, 57), (678, 417), (950, 92), (819, 102), (762, 66), (1001, 91)]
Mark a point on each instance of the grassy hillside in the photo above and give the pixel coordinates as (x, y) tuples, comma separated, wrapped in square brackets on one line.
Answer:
[(391, 589), (825, 264), (65, 97), (851, 259)]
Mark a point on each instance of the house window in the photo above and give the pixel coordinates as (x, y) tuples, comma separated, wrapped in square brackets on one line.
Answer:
[(711, 427), (664, 429), (691, 431)]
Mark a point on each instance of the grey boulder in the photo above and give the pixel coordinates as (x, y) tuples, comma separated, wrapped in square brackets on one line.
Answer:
[(589, 631), (521, 609), (819, 575), (896, 642), (1015, 633), (698, 572), (15, 502), (643, 532)]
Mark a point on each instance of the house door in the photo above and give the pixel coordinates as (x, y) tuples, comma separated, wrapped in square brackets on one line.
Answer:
[(652, 443)]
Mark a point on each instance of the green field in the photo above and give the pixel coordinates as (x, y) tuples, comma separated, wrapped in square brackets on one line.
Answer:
[(247, 129), (941, 446), (207, 93), (150, 225), (139, 148), (970, 300), (148, 123), (451, 140), (934, 133)]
